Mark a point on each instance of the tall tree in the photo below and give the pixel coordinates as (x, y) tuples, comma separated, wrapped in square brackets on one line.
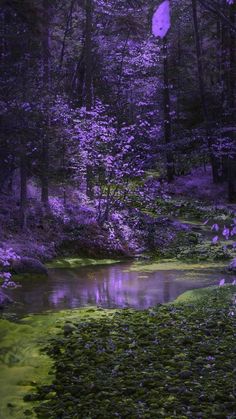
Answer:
[(88, 55), (88, 82), (167, 115), (46, 88), (232, 108), (160, 28), (202, 91)]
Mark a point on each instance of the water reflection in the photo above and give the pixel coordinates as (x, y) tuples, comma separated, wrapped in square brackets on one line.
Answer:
[(110, 286)]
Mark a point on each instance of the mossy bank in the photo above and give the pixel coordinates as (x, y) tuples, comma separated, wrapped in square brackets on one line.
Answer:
[(22, 362), (176, 360)]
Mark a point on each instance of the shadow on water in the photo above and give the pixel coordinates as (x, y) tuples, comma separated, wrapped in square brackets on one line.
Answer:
[(117, 286)]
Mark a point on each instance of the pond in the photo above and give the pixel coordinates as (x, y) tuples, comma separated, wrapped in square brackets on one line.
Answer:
[(123, 285)]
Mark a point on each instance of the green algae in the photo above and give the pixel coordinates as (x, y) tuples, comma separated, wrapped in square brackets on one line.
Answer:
[(80, 262), (176, 360), (22, 362)]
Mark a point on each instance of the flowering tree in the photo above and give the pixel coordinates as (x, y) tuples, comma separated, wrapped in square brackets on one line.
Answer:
[(107, 153), (6, 257)]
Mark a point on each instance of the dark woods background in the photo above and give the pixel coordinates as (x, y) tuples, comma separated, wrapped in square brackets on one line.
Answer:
[(91, 99)]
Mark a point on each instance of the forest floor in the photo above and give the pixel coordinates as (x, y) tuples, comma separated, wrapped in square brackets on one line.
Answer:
[(199, 185)]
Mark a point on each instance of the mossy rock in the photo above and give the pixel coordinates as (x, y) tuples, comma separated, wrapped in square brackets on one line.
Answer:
[(26, 265), (4, 300)]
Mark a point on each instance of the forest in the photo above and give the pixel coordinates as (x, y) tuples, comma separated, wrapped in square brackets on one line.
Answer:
[(118, 209)]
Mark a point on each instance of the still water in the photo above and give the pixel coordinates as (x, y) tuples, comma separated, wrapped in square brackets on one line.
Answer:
[(115, 286)]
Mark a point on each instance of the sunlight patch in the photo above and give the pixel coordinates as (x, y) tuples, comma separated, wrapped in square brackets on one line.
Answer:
[(161, 20)]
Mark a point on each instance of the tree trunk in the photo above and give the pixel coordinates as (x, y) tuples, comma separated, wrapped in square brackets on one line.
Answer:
[(88, 83), (68, 22), (167, 117), (232, 86), (88, 55), (23, 184), (232, 75), (46, 86), (213, 161), (223, 48)]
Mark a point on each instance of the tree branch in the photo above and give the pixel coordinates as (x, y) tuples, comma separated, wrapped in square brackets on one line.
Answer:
[(217, 12)]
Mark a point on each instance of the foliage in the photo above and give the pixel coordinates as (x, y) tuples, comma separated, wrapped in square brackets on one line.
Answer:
[(101, 147), (107, 153), (7, 256)]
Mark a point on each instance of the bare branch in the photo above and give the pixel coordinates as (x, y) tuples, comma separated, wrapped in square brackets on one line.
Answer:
[(208, 6)]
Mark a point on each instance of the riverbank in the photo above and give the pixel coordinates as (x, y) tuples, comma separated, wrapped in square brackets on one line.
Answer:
[(168, 225), (172, 360), (175, 229)]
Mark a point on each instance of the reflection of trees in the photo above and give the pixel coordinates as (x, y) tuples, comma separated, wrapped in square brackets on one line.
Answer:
[(31, 296), (166, 290), (112, 286)]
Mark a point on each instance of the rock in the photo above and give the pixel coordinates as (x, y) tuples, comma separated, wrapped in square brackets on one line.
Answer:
[(69, 328), (185, 374), (27, 265), (4, 300), (181, 226), (140, 256)]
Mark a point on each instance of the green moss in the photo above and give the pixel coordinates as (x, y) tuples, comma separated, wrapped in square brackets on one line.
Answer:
[(22, 363), (205, 251), (175, 360), (172, 265), (79, 262), (195, 295)]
